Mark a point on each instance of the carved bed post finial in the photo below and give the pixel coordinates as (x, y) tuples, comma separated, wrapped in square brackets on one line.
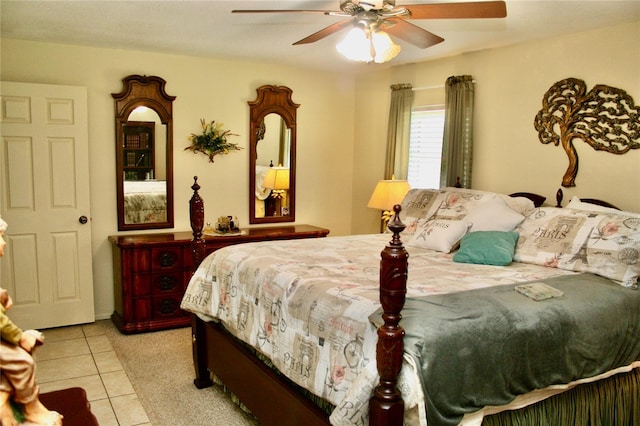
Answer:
[(386, 407), (196, 215), (559, 197)]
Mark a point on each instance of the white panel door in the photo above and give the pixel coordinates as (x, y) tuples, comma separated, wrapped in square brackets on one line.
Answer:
[(45, 200)]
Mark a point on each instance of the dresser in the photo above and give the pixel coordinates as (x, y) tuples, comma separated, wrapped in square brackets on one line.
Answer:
[(151, 272)]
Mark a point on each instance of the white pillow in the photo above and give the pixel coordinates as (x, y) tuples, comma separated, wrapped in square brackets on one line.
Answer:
[(577, 204), (439, 234), (522, 205), (493, 215)]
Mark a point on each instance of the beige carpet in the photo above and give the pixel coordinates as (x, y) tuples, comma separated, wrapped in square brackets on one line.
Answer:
[(160, 368)]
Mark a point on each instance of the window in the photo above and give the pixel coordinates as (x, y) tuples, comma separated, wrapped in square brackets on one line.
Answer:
[(425, 146)]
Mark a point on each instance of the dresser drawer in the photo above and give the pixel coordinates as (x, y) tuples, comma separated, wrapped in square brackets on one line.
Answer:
[(167, 282), (168, 306), (165, 258)]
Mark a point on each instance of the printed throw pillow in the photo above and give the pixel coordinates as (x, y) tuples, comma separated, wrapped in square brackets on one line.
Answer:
[(605, 244), (493, 215), (456, 203), (417, 205), (440, 235), (548, 234), (612, 249), (487, 248)]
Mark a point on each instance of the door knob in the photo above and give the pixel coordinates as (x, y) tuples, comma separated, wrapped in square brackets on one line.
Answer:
[(83, 219)]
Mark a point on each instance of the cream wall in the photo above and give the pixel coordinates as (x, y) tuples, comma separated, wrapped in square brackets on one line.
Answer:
[(214, 90), (342, 125), (510, 84)]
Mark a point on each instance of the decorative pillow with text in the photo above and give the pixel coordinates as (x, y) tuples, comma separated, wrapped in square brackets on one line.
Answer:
[(456, 203), (605, 244), (439, 234), (417, 205)]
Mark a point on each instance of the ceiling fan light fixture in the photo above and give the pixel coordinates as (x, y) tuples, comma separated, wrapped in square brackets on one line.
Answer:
[(367, 46), (385, 49), (355, 46)]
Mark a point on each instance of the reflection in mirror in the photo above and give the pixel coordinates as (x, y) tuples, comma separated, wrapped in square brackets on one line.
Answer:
[(273, 161), (145, 168), (143, 154), (272, 155)]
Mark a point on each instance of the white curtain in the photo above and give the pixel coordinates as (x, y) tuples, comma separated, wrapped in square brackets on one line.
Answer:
[(397, 159), (457, 143)]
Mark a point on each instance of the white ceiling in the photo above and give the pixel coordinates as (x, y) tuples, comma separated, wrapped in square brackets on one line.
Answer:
[(207, 28)]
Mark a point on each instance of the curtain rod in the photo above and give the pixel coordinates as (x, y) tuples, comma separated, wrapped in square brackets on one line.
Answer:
[(437, 86)]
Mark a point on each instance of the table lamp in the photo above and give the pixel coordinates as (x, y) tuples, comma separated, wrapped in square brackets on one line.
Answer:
[(277, 180), (387, 194)]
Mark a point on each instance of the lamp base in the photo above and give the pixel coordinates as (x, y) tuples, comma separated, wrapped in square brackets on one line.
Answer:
[(384, 220)]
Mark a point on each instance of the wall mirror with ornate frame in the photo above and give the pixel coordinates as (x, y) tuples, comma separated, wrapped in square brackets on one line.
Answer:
[(144, 160), (272, 165)]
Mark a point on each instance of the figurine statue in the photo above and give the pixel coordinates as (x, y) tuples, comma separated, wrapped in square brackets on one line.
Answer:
[(17, 367)]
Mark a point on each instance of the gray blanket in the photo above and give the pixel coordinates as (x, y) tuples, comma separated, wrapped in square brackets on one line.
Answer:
[(485, 347)]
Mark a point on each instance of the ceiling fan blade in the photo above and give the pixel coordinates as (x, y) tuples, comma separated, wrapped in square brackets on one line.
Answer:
[(412, 33), (325, 32), (326, 12), (479, 9)]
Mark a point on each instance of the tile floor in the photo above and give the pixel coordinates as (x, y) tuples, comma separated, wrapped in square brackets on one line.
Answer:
[(83, 356)]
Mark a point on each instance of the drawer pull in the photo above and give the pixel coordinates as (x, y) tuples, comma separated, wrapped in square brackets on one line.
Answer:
[(167, 259), (167, 282), (168, 306)]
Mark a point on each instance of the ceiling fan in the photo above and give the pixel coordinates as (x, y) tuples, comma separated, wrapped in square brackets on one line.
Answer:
[(375, 15)]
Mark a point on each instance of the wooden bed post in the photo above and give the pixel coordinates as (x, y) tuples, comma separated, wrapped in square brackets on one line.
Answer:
[(196, 216), (386, 407), (198, 249)]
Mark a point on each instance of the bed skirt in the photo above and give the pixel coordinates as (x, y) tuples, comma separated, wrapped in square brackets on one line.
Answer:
[(614, 400)]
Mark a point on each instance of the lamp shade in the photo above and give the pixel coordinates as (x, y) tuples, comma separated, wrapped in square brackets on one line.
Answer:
[(384, 48), (355, 46), (388, 193), (276, 178)]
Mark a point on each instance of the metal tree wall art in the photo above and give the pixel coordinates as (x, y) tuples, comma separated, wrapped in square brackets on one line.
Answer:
[(605, 117)]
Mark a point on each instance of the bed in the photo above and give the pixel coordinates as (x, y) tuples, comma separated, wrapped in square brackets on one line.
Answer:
[(145, 201), (328, 317)]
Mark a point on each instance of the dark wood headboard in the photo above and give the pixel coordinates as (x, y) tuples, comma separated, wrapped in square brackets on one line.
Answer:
[(536, 198)]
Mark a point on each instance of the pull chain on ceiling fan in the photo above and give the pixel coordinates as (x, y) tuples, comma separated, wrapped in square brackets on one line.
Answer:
[(376, 18)]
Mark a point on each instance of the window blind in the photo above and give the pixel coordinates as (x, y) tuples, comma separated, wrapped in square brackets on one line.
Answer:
[(425, 146)]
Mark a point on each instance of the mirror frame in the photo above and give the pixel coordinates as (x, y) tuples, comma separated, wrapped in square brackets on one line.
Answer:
[(148, 91), (277, 100)]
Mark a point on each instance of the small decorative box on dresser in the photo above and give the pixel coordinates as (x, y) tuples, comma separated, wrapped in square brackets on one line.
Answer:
[(151, 272)]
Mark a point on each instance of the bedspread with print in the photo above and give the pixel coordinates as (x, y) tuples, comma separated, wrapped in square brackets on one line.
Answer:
[(305, 304), (144, 208), (308, 316), (485, 347), (145, 201)]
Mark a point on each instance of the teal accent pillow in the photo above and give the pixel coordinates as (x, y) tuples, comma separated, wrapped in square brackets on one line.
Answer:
[(487, 248)]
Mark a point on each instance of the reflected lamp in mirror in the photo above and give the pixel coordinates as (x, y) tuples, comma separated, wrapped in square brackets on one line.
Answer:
[(277, 180), (387, 194), (272, 140)]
